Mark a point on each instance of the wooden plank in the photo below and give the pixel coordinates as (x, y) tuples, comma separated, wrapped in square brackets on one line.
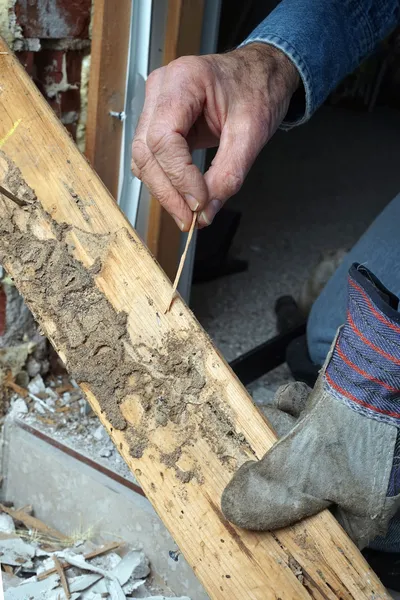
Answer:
[(183, 37), (172, 406), (108, 67), (33, 523)]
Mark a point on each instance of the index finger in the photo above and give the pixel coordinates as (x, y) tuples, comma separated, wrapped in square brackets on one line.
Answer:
[(179, 104)]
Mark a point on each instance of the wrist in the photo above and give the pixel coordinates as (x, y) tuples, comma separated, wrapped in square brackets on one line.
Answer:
[(267, 56)]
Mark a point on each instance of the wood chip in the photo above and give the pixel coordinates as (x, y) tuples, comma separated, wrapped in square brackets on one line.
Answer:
[(63, 579), (98, 552), (28, 509), (10, 383), (46, 420), (33, 523), (8, 569), (182, 263), (65, 388)]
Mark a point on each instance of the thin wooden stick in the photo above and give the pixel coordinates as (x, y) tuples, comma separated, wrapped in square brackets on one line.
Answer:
[(98, 552), (63, 579), (12, 197), (182, 262)]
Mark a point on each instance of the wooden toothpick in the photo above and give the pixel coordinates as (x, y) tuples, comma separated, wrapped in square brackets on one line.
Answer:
[(182, 262)]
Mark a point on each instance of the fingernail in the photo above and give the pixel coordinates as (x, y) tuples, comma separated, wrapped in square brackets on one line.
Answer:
[(180, 223), (207, 215), (191, 200)]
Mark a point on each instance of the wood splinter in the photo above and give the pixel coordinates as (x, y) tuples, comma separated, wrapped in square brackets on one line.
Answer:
[(181, 263), (61, 574)]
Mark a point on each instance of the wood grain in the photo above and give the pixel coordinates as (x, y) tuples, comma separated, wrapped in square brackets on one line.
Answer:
[(108, 66), (216, 429)]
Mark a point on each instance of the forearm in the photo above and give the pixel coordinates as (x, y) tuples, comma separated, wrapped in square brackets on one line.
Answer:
[(326, 40)]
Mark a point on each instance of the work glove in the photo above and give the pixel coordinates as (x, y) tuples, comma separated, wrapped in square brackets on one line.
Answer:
[(286, 407), (344, 450)]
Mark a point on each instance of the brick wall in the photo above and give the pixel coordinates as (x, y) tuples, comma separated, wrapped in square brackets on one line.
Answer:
[(51, 38)]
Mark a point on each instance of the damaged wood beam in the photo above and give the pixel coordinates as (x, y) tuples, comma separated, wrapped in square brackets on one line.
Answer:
[(174, 409)]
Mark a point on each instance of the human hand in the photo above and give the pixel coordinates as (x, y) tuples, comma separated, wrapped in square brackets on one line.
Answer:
[(236, 100)]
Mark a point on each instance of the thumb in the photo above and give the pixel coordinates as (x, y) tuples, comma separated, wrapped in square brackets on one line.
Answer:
[(240, 143), (291, 398), (280, 421)]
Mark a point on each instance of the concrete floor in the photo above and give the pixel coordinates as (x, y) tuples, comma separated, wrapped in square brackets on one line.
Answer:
[(311, 190), (80, 500)]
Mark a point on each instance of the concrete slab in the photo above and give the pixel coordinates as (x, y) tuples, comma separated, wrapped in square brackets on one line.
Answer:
[(76, 498)]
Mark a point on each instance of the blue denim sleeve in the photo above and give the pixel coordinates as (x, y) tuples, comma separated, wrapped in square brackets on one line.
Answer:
[(326, 40)]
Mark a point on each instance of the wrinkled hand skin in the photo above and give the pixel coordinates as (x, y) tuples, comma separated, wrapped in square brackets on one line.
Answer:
[(235, 100)]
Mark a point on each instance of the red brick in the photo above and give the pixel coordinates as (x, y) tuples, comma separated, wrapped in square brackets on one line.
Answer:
[(55, 103), (27, 60), (74, 66), (49, 65), (71, 128), (54, 19), (70, 101)]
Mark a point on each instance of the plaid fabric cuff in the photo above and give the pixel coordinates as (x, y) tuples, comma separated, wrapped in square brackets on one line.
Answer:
[(364, 369)]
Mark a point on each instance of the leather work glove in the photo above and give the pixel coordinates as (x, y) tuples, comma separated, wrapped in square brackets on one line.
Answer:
[(288, 403), (345, 448)]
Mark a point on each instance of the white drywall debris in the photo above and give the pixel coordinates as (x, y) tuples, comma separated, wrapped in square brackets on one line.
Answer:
[(106, 452), (9, 580), (18, 407), (33, 367), (99, 433), (167, 598), (36, 386), (72, 423), (33, 589), (113, 587), (115, 590), (82, 582), (134, 566), (141, 567), (103, 574), (6, 524), (132, 586), (16, 552), (91, 596)]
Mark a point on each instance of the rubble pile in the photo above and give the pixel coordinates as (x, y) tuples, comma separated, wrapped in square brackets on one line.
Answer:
[(57, 406), (40, 563)]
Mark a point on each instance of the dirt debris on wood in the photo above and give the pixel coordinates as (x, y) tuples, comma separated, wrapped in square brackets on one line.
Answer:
[(39, 566), (167, 384)]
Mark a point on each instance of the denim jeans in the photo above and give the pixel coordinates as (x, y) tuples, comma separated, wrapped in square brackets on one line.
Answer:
[(379, 250)]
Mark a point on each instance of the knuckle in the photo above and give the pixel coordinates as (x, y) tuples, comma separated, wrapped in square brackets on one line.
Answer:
[(181, 65), (153, 78), (140, 156), (166, 198), (188, 67), (177, 177), (158, 141)]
